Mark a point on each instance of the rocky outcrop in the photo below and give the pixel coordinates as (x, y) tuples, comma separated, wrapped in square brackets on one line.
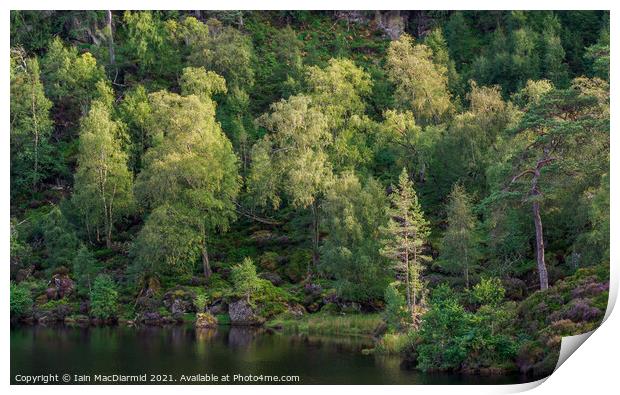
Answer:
[(241, 313), (59, 286), (179, 301), (205, 320)]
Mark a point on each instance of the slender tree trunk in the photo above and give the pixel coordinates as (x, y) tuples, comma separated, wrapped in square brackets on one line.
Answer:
[(315, 237), (540, 247), (466, 271), (415, 262), (540, 244), (110, 38), (407, 272), (206, 268)]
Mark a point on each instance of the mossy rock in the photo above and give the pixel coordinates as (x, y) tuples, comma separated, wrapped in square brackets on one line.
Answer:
[(205, 320)]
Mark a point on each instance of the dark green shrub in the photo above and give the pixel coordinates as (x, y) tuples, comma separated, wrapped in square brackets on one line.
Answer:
[(104, 298), (21, 300)]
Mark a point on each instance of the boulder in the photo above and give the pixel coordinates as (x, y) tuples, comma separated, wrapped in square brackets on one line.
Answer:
[(296, 310), (59, 286), (241, 313), (205, 320), (272, 277), (150, 318), (217, 307), (179, 300)]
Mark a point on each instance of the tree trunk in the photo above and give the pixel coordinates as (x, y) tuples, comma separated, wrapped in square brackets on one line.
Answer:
[(315, 237), (110, 38), (466, 271), (540, 247), (408, 273), (205, 262)]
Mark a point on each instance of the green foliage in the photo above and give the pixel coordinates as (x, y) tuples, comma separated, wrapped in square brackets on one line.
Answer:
[(21, 300), (421, 84), (103, 183), (404, 238), (104, 298), (354, 214), (59, 238), (443, 332), (395, 314), (451, 338), (244, 279), (488, 291), (475, 103), (85, 269), (31, 127), (190, 172), (149, 45), (291, 159), (69, 78), (134, 112), (166, 244), (459, 251)]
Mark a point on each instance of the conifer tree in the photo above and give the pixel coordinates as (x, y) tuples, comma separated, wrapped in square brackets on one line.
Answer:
[(458, 252), (405, 236)]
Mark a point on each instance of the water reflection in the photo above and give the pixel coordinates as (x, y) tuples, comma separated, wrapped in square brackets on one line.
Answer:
[(223, 350)]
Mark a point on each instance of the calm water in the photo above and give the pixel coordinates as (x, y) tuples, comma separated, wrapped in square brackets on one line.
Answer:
[(180, 351)]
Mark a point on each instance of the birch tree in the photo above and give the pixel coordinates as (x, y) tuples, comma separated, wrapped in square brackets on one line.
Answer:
[(103, 183)]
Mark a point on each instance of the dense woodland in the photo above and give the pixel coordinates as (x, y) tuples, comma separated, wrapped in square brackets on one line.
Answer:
[(438, 180)]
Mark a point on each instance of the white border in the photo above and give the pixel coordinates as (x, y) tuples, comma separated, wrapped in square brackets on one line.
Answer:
[(593, 368)]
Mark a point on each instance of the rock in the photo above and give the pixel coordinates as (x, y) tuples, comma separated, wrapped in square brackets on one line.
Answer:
[(179, 300), (217, 307), (313, 289), (54, 313), (205, 320), (24, 273), (272, 277), (59, 286), (150, 318), (241, 313), (147, 304), (84, 307), (391, 22), (296, 310)]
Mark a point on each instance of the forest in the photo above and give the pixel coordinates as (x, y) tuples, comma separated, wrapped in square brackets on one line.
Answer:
[(437, 180)]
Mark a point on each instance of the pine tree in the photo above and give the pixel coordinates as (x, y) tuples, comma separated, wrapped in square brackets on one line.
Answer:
[(406, 234), (458, 247)]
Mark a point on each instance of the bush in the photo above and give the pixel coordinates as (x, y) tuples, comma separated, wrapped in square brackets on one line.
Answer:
[(443, 332), (395, 312), (488, 291), (104, 298), (200, 302), (21, 300), (244, 279), (452, 338)]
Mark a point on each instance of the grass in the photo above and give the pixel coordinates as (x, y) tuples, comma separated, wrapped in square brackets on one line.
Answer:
[(327, 324), (393, 343)]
